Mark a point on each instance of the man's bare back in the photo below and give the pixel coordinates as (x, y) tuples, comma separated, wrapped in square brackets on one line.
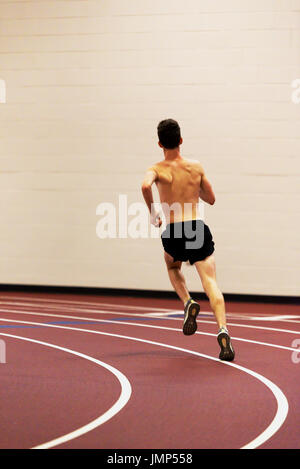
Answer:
[(178, 183)]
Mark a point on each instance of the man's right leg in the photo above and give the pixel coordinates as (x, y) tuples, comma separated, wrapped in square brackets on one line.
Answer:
[(176, 278), (191, 308)]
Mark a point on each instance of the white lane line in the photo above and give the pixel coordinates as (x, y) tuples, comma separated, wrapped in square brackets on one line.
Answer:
[(282, 317), (248, 326), (118, 405), (272, 318), (86, 310), (171, 313), (151, 326), (79, 303), (288, 331), (16, 311), (238, 316), (282, 403)]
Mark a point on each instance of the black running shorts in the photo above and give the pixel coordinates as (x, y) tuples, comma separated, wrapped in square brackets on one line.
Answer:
[(188, 241)]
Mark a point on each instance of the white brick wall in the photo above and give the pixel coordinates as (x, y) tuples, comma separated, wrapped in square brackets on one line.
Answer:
[(86, 84)]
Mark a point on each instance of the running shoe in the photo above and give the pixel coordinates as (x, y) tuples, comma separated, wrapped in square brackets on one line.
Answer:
[(191, 312), (227, 353)]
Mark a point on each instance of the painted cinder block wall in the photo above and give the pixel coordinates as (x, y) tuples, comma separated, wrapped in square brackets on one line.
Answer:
[(86, 84)]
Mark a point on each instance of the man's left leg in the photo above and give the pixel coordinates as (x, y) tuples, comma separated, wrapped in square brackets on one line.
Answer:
[(191, 308), (176, 278), (207, 272)]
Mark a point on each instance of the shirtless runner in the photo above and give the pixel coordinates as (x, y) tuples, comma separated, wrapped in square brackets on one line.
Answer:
[(180, 183)]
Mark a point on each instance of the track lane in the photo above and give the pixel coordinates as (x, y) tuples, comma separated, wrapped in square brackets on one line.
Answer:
[(260, 360)]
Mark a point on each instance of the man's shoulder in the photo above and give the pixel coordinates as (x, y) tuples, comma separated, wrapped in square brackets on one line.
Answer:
[(157, 166), (197, 165)]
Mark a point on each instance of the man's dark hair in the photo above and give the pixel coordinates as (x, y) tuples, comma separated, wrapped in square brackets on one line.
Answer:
[(168, 132)]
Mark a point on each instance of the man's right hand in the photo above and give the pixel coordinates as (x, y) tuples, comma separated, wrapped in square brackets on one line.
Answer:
[(155, 219)]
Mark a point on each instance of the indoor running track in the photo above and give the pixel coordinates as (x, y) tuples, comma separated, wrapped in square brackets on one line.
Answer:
[(87, 371)]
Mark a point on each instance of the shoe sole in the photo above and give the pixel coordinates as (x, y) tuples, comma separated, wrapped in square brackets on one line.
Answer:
[(190, 324), (227, 353)]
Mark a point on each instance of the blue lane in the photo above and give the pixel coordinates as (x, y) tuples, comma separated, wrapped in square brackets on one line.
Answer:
[(30, 326)]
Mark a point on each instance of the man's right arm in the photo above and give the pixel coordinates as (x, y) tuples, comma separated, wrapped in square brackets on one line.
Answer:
[(149, 179)]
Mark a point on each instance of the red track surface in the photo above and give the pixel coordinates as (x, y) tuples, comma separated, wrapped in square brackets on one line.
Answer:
[(178, 400)]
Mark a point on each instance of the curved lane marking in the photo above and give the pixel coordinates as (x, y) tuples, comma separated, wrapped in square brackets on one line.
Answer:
[(111, 412)]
